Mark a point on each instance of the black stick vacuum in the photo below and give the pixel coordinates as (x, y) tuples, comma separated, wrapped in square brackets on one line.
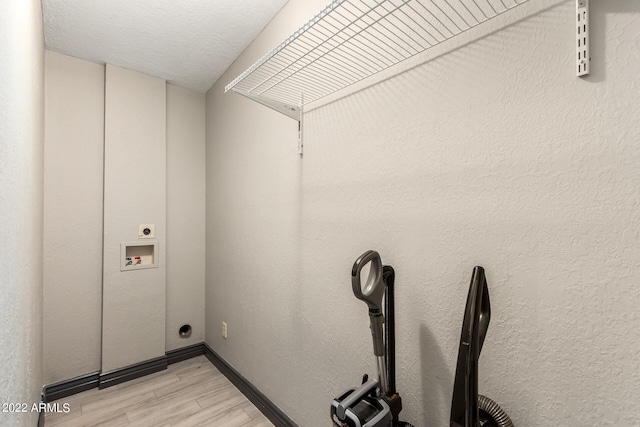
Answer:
[(468, 408), (375, 403)]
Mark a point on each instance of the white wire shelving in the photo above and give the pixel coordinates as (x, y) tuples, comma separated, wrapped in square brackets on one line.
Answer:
[(351, 40)]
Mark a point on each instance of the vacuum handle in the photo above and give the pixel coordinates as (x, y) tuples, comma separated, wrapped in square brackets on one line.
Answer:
[(355, 397), (377, 333), (372, 291)]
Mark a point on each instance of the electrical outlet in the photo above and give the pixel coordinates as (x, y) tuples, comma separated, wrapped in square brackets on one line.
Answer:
[(224, 330)]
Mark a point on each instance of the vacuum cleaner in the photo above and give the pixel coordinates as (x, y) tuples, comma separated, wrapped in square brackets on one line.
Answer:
[(468, 408), (376, 402)]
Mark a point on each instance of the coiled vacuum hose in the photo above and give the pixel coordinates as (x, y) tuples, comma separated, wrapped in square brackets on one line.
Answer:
[(491, 414)]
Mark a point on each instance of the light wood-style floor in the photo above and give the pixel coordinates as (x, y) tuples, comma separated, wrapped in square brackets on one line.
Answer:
[(189, 393)]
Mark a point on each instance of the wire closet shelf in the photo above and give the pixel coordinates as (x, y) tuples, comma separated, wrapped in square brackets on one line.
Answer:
[(351, 40)]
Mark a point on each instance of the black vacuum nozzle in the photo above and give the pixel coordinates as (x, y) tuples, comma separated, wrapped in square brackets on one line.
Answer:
[(468, 409), (464, 405)]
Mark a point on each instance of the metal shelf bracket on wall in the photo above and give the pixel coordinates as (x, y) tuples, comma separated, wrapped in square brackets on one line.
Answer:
[(293, 111), (351, 40), (583, 53)]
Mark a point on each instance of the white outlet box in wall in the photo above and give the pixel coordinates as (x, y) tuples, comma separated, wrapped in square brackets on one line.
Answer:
[(146, 231)]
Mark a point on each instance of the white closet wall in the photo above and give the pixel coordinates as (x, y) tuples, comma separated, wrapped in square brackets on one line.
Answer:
[(21, 193), (135, 192), (73, 261), (185, 215), (74, 145), (493, 153)]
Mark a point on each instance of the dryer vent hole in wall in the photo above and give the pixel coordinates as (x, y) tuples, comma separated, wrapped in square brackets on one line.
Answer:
[(185, 331)]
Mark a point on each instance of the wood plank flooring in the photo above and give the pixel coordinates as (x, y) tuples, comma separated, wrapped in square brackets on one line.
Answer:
[(189, 393)]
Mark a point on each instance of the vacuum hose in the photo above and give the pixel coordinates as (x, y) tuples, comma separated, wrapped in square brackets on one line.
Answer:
[(491, 414)]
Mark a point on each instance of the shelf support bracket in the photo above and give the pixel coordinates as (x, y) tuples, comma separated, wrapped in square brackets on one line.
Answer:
[(583, 54), (290, 110), (300, 145)]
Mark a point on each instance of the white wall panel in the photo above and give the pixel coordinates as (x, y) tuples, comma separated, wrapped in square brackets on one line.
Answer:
[(74, 146), (134, 302), (185, 215)]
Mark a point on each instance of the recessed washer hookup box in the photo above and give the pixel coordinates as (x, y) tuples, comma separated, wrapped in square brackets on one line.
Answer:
[(138, 255)]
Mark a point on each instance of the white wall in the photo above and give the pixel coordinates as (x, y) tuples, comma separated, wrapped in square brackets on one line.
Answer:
[(134, 302), (185, 215), (21, 153), (74, 168), (494, 154), (74, 145)]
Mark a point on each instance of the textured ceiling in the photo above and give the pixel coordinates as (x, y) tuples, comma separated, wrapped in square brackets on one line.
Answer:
[(187, 42)]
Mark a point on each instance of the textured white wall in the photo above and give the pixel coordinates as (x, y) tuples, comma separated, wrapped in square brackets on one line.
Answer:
[(74, 145), (133, 302), (494, 154), (185, 215), (74, 209), (21, 192)]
